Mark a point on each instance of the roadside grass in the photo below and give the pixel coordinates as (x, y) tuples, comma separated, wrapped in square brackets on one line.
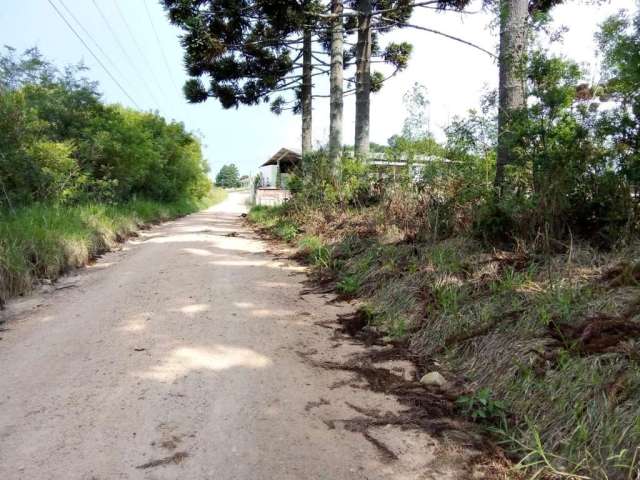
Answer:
[(503, 321), (266, 217), (573, 412), (273, 220), (348, 285), (315, 250), (42, 242)]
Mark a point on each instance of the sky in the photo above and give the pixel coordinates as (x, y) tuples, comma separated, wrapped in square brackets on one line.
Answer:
[(142, 51)]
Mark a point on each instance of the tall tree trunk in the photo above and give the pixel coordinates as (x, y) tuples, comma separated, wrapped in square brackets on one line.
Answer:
[(511, 91), (363, 79), (335, 85), (306, 93)]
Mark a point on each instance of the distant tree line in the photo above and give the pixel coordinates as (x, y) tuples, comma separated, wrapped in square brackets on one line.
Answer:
[(228, 177)]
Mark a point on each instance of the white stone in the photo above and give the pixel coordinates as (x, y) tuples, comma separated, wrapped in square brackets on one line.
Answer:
[(433, 378)]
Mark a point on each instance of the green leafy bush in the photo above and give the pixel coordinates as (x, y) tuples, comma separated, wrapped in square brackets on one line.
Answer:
[(77, 175), (317, 182), (60, 144)]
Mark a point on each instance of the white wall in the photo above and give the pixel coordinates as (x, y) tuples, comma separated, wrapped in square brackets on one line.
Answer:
[(270, 174)]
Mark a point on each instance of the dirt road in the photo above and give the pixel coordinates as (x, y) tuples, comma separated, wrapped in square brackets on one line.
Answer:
[(182, 356)]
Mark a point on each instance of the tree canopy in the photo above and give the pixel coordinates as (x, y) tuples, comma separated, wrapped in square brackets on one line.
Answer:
[(228, 177), (240, 49)]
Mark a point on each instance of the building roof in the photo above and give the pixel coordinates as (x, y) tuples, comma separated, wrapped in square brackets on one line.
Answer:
[(283, 155)]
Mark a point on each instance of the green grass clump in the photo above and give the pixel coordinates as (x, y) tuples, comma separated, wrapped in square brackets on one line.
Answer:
[(349, 285), (575, 417), (445, 258), (264, 216), (45, 241), (315, 250), (275, 221), (285, 230)]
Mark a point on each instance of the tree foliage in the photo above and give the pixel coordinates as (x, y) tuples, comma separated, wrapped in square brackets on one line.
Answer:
[(416, 122), (619, 40), (60, 143), (228, 177), (575, 168), (238, 52)]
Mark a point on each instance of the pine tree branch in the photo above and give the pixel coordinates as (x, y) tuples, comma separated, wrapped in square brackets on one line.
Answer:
[(355, 13)]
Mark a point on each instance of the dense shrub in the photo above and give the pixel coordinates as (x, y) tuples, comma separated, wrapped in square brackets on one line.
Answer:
[(60, 144), (575, 169), (317, 182)]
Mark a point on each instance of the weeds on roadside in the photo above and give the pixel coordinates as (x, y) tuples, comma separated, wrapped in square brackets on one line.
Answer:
[(315, 250), (349, 285), (481, 406)]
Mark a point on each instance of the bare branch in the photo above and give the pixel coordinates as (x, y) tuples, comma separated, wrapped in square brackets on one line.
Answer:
[(446, 35)]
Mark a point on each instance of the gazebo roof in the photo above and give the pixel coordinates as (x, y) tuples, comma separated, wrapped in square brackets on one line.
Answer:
[(283, 155)]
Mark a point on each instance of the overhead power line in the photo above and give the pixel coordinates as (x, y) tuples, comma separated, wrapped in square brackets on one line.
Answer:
[(107, 71), (126, 54), (155, 32), (88, 34), (140, 51)]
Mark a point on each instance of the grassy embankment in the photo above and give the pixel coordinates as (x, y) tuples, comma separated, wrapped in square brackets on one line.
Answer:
[(548, 342), (43, 242)]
